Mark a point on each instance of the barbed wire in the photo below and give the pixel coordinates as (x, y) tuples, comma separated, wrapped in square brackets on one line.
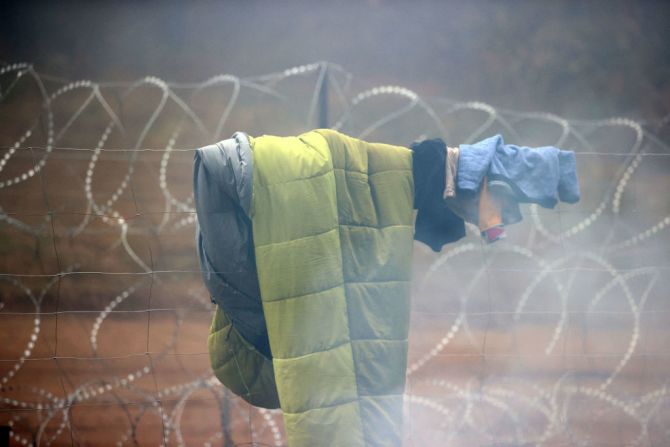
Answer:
[(160, 150), (596, 267)]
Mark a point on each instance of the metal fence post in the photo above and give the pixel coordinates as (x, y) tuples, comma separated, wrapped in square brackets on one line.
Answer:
[(323, 99)]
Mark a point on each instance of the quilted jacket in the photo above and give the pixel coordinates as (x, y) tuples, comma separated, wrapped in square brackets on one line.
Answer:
[(332, 239)]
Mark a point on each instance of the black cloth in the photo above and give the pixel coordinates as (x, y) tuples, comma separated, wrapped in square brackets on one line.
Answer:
[(436, 225)]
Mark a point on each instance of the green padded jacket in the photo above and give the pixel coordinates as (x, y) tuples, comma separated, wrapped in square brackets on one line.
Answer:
[(332, 226)]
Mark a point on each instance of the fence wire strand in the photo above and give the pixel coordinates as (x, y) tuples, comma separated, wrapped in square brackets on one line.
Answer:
[(97, 213)]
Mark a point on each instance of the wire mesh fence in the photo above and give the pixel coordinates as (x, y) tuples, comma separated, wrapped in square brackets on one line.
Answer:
[(557, 335)]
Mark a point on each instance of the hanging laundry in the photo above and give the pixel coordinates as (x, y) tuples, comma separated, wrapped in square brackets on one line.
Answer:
[(441, 218), (238, 342), (486, 181), (305, 245), (225, 248), (542, 175), (482, 209), (332, 223), (436, 224), (332, 220), (507, 200), (490, 220), (451, 172)]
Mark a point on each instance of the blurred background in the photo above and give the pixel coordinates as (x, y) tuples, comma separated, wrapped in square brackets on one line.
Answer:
[(579, 59), (556, 336)]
